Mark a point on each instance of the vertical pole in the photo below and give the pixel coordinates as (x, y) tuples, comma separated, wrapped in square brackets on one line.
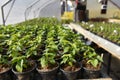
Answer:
[(25, 14), (3, 19), (34, 13), (109, 64), (66, 6)]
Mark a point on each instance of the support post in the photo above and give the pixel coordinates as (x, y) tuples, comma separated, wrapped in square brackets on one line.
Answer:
[(3, 19), (109, 64), (2, 10), (66, 6)]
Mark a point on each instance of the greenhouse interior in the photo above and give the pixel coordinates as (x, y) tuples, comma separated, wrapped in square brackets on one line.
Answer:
[(60, 40)]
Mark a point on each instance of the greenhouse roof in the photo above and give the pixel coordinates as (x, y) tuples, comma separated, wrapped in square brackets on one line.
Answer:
[(116, 2), (18, 10)]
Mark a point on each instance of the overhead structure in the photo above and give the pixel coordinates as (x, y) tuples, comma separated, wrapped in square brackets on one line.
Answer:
[(116, 3), (16, 11), (29, 9), (51, 9), (2, 10), (43, 8)]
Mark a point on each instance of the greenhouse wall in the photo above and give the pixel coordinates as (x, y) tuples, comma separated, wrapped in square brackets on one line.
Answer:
[(53, 9), (95, 10)]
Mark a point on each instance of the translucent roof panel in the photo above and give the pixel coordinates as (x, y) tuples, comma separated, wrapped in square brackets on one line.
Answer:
[(17, 11), (116, 2), (28, 9), (50, 8)]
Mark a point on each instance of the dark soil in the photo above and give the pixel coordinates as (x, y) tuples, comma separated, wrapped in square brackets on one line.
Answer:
[(90, 67), (47, 68), (99, 19), (4, 68), (30, 66), (71, 68)]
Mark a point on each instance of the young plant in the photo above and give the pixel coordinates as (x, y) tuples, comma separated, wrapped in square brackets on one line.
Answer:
[(92, 58), (4, 63), (47, 61), (68, 59), (21, 64)]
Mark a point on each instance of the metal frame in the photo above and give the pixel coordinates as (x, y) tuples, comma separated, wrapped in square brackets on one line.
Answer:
[(29, 8), (105, 44), (39, 8), (112, 48), (2, 10), (114, 4), (109, 64), (51, 1)]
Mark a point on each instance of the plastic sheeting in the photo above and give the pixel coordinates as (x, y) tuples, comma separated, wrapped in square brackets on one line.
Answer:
[(116, 2), (28, 9), (51, 8)]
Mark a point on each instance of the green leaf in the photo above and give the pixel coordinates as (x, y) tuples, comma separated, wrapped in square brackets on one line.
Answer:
[(91, 54), (35, 52), (74, 52), (52, 61), (19, 66), (43, 62), (72, 60), (65, 59), (19, 48), (9, 42), (0, 56), (14, 60), (66, 49), (70, 63), (94, 62), (100, 58)]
